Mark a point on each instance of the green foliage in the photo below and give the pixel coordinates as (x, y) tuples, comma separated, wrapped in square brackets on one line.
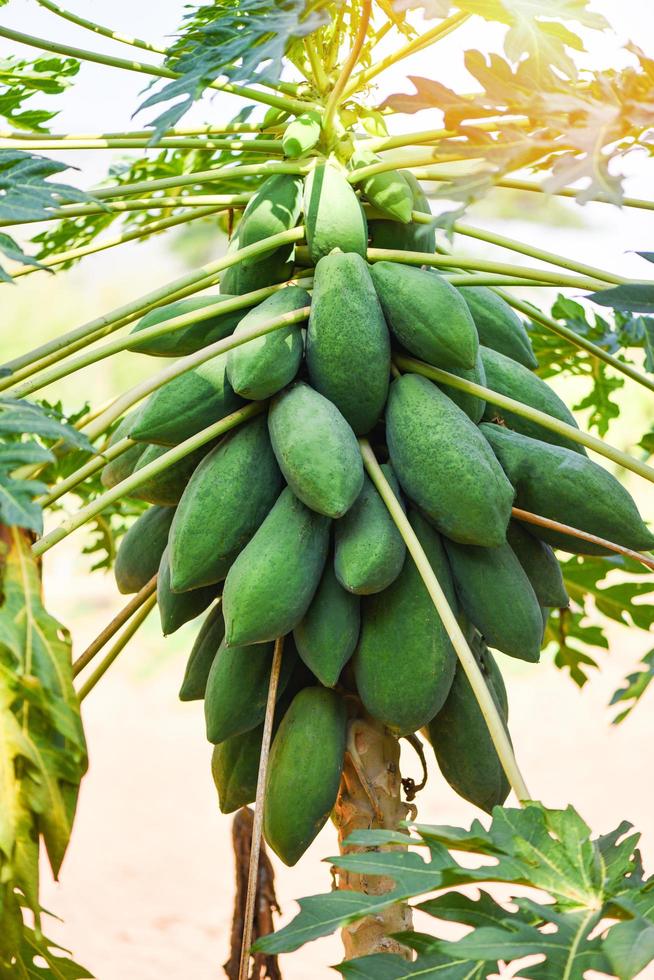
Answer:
[(27, 195), (587, 881), (21, 80), (34, 947), (19, 419), (634, 687)]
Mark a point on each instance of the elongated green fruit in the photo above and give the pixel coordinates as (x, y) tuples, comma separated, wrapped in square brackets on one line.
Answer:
[(404, 663), (186, 340), (327, 635), (497, 596), (498, 326), (118, 469), (369, 551), (140, 551), (264, 366), (202, 656), (567, 487), (411, 237), (274, 267), (237, 688), (273, 209), (348, 346), (541, 565), (166, 488), (426, 314), (443, 464), (272, 582), (472, 405), (388, 192), (507, 377), (224, 503), (177, 608), (461, 742), (235, 769), (301, 135), (187, 404), (305, 766), (333, 216), (316, 449)]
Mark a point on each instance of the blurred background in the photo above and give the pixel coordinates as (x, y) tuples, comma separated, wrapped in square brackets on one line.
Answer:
[(146, 888)]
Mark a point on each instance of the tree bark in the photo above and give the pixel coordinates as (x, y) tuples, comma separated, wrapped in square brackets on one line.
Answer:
[(369, 798)]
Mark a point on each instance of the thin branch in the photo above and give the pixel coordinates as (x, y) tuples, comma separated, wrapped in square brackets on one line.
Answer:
[(276, 101), (119, 645), (90, 25), (349, 66), (143, 143), (181, 131), (141, 476), (253, 869), (599, 446), (112, 628), (235, 201), (466, 657), (529, 518)]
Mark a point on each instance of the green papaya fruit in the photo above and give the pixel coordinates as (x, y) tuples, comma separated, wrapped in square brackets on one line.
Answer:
[(269, 587), (348, 346), (225, 501), (404, 663), (442, 463), (305, 766), (426, 314), (202, 656), (507, 377), (498, 325), (235, 769), (167, 487), (264, 366), (272, 268), (462, 745), (177, 608), (118, 469), (497, 596), (541, 565), (237, 688), (301, 135), (369, 550), (140, 550), (274, 208), (187, 404), (412, 237), (333, 217), (327, 635), (185, 340), (554, 482), (316, 450), (388, 192), (472, 405)]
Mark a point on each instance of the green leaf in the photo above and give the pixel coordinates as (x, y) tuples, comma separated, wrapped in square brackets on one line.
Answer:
[(634, 687), (26, 194), (434, 966), (13, 251), (629, 947), (59, 966), (21, 80), (632, 297)]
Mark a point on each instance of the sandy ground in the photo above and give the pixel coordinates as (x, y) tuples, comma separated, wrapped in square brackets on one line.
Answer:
[(146, 887)]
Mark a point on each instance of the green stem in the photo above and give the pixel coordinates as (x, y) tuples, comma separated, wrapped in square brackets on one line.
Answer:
[(339, 88), (141, 476), (429, 37), (59, 258), (88, 469), (90, 25), (112, 628), (535, 253), (122, 642), (146, 387), (166, 143), (149, 333), (15, 134), (526, 411), (284, 103), (315, 60), (526, 185), (136, 204), (193, 282), (456, 262), (467, 659)]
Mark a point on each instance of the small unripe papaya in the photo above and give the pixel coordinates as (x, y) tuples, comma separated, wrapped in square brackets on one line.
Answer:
[(301, 135), (333, 217), (177, 608), (140, 550), (327, 635), (202, 656), (498, 325)]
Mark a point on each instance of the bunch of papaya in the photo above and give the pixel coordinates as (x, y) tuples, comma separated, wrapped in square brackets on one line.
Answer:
[(278, 525)]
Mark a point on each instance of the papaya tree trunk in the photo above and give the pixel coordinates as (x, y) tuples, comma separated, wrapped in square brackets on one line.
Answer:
[(369, 799)]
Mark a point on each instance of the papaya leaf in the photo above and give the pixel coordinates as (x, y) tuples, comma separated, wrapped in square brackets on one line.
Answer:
[(14, 252), (634, 687), (432, 966), (21, 80), (631, 297), (26, 194), (31, 949)]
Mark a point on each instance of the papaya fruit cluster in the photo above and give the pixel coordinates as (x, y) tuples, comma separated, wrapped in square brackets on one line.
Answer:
[(278, 528)]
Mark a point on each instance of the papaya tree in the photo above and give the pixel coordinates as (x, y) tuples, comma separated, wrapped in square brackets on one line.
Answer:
[(348, 460)]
